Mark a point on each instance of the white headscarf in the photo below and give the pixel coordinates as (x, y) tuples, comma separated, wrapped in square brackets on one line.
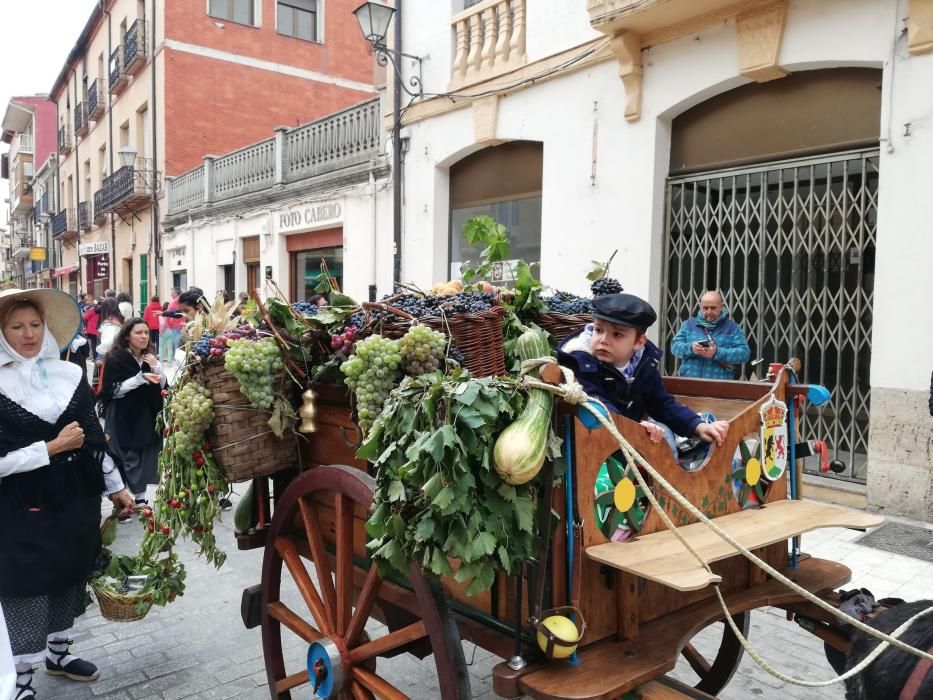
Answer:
[(44, 382)]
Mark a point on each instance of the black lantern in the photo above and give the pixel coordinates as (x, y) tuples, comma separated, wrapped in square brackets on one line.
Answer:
[(374, 19)]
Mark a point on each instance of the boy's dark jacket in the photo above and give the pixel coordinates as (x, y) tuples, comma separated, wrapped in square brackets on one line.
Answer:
[(645, 396)]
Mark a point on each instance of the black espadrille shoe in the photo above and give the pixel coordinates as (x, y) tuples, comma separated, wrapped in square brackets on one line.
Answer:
[(68, 665), (24, 689)]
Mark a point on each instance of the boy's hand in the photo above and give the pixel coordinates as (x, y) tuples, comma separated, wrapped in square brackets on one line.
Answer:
[(655, 432), (713, 432)]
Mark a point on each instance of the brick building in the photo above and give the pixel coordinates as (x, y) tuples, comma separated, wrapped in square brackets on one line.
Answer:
[(151, 88)]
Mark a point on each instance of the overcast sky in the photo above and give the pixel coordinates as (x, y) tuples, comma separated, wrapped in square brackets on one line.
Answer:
[(37, 37)]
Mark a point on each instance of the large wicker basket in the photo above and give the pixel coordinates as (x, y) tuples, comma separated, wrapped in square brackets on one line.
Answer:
[(244, 445), (559, 325), (478, 336)]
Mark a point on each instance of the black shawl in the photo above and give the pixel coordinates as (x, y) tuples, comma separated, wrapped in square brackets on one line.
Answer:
[(135, 426), (50, 517)]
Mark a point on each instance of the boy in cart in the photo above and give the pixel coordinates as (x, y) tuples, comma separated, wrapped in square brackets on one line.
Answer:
[(615, 362)]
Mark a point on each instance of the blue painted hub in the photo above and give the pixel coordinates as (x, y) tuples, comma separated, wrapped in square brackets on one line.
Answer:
[(318, 653)]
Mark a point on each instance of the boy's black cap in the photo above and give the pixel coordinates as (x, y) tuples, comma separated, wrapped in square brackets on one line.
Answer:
[(624, 309)]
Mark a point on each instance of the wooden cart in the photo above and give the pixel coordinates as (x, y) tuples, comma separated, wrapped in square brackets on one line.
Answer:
[(644, 598)]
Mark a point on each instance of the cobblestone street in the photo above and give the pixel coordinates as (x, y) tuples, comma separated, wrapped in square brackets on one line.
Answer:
[(198, 648)]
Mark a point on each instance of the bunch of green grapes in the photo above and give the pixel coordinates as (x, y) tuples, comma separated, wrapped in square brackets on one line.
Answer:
[(191, 410), (372, 372), (422, 350), (255, 364)]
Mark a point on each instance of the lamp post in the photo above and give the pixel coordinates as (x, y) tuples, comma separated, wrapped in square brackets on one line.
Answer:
[(374, 19)]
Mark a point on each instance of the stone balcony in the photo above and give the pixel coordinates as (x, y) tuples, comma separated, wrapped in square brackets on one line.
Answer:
[(489, 40)]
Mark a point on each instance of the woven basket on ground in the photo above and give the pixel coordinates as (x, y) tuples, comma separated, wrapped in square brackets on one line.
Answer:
[(478, 336), (560, 325), (244, 445), (119, 607)]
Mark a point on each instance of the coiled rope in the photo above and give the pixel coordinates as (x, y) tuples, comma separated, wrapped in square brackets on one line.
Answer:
[(572, 392)]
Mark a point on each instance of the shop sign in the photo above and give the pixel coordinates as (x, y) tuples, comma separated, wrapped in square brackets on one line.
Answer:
[(102, 267), (95, 248), (37, 253), (309, 216)]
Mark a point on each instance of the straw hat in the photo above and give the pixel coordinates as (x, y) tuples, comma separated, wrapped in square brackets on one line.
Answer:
[(62, 315)]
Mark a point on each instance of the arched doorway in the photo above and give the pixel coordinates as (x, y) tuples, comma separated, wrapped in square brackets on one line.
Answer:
[(773, 199)]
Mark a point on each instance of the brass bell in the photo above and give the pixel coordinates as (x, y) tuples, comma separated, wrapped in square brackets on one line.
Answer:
[(307, 412)]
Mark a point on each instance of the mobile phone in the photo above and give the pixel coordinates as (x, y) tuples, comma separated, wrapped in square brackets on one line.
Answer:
[(704, 343)]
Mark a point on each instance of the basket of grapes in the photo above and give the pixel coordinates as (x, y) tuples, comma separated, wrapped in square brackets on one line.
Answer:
[(251, 394), (568, 313), (472, 320)]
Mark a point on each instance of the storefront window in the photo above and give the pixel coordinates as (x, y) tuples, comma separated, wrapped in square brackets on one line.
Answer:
[(521, 218), (306, 270)]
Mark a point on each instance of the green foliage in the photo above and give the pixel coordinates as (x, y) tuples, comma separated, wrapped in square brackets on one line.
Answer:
[(600, 269), (438, 496)]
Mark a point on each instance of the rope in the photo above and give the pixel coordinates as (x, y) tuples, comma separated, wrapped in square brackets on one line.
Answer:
[(572, 393)]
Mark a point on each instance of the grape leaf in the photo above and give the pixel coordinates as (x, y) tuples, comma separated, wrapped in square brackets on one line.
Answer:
[(396, 491)]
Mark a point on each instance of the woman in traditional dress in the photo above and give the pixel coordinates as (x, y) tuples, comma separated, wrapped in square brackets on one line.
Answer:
[(130, 399), (54, 467)]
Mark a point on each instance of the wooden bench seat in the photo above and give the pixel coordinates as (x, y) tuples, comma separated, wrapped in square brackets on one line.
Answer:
[(661, 557), (610, 669)]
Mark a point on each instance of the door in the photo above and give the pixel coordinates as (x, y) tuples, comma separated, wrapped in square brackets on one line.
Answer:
[(252, 276), (792, 246)]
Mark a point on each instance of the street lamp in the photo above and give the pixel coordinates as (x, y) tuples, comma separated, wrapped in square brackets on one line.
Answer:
[(374, 19), (127, 156)]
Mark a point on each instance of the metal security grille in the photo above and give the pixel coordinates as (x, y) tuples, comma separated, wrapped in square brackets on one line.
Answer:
[(792, 247)]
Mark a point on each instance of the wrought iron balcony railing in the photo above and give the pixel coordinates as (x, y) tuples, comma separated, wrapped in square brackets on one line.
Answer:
[(128, 190), (135, 48), (81, 120), (96, 106), (65, 140), (64, 223), (99, 213), (84, 216), (116, 71)]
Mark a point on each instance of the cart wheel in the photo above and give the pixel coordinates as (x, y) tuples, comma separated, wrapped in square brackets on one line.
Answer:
[(715, 672), (341, 657)]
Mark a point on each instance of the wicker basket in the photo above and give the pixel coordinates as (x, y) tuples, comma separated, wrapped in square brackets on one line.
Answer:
[(478, 336), (119, 607), (243, 444), (560, 325)]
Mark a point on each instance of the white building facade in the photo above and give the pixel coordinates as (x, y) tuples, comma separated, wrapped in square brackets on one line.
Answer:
[(775, 149)]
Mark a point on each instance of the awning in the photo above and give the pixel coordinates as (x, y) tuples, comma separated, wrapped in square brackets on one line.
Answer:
[(59, 271)]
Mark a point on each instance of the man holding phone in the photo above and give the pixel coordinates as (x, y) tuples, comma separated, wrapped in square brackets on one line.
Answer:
[(710, 344)]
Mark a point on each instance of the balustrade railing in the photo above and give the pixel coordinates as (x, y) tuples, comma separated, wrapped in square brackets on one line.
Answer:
[(490, 40), (340, 140), (247, 170), (128, 182)]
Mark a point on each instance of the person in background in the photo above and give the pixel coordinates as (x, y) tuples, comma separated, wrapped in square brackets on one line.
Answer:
[(109, 293), (84, 300), (130, 400), (710, 345), (126, 304), (53, 469), (91, 317), (151, 315), (111, 320), (317, 300)]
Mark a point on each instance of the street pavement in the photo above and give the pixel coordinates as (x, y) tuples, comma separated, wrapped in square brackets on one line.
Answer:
[(197, 647)]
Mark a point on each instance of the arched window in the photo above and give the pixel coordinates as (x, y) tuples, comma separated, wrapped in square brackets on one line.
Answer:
[(503, 182)]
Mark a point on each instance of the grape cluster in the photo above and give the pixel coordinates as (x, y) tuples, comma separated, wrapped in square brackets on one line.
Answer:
[(454, 355), (304, 308), (431, 305), (211, 345), (343, 341), (191, 410), (566, 303), (202, 348), (254, 363), (372, 372), (604, 286), (357, 320), (422, 350)]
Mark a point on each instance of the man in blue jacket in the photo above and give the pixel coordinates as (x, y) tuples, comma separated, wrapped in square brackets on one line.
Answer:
[(615, 362), (711, 344)]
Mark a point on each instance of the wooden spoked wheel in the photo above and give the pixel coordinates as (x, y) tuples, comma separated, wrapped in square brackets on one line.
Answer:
[(320, 518), (716, 669)]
